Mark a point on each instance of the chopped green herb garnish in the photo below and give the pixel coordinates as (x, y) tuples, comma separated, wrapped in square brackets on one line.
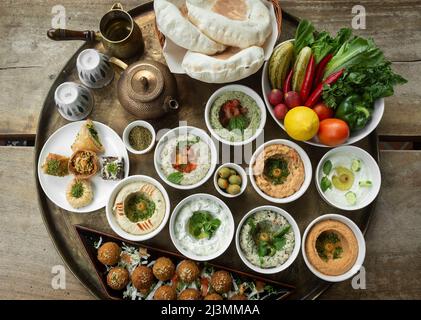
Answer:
[(325, 184), (276, 169), (175, 177), (77, 190), (327, 167), (203, 225)]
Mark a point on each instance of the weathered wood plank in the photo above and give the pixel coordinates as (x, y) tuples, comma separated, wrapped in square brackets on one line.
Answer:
[(393, 259), (29, 62), (27, 253)]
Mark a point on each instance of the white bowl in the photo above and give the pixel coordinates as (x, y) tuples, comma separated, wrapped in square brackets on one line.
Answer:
[(240, 171), (361, 248), (307, 171), (251, 93), (294, 252), (138, 123), (175, 133), (110, 204), (354, 137), (372, 167), (174, 214)]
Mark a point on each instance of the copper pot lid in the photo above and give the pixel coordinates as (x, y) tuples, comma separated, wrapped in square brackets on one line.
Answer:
[(144, 82)]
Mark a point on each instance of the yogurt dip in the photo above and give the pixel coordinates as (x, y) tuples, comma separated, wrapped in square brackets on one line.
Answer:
[(203, 247)]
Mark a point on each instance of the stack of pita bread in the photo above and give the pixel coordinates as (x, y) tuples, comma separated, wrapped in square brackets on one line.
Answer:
[(224, 38)]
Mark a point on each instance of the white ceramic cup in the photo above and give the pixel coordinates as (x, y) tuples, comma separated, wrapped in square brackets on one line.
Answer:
[(94, 69), (74, 101)]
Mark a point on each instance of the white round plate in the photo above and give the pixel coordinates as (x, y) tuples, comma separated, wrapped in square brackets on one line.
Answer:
[(59, 142), (354, 137)]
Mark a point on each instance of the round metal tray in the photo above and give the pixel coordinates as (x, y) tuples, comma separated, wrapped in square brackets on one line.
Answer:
[(192, 96)]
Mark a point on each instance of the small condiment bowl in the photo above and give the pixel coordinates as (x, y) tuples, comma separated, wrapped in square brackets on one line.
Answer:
[(361, 248), (241, 172), (297, 240), (128, 129)]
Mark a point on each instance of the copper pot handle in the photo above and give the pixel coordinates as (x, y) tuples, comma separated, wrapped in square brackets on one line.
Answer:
[(65, 35), (118, 63)]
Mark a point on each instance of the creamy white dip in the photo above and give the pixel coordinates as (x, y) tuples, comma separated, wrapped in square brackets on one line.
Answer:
[(202, 154), (202, 247)]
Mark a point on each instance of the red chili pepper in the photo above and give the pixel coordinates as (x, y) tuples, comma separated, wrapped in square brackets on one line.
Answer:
[(308, 79), (321, 69), (315, 96), (287, 83)]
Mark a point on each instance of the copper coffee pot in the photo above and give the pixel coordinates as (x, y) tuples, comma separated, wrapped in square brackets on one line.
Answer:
[(146, 88)]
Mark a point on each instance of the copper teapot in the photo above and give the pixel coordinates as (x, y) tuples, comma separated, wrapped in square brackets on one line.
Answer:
[(146, 88)]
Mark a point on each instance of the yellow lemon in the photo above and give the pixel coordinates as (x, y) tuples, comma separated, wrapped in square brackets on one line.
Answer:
[(301, 123)]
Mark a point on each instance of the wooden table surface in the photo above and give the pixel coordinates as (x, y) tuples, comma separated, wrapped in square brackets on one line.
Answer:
[(29, 63)]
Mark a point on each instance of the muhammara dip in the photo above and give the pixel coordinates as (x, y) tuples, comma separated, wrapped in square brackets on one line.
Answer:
[(331, 247), (139, 208), (279, 171)]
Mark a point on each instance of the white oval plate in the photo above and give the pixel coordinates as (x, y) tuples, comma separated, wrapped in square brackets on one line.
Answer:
[(355, 136), (59, 142)]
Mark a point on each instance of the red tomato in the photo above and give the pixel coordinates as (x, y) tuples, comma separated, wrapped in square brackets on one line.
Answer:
[(333, 132), (323, 111)]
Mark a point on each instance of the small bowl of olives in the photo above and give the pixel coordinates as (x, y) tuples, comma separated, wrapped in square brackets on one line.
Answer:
[(230, 180)]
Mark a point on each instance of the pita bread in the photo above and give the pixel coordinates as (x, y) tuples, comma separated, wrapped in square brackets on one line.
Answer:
[(237, 23), (173, 23), (229, 66)]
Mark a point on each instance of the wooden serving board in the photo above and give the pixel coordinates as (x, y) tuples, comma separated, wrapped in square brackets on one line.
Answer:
[(192, 97)]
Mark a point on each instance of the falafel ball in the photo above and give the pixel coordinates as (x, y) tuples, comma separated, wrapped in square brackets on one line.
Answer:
[(109, 253), (221, 281), (163, 269), (213, 296), (238, 296), (118, 278), (165, 293), (188, 271), (142, 277), (189, 294)]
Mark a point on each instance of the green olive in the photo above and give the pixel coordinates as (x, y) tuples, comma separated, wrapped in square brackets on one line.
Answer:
[(233, 189), (235, 180), (224, 173), (223, 183), (233, 172)]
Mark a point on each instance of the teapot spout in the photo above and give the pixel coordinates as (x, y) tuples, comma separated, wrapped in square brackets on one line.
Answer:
[(170, 104)]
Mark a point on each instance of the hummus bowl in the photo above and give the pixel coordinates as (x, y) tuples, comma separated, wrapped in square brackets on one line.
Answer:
[(201, 227), (333, 247), (185, 157), (355, 135), (138, 208), (348, 178), (268, 239), (281, 171), (226, 126)]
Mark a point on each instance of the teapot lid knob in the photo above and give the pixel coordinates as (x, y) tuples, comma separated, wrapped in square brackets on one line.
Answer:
[(145, 83)]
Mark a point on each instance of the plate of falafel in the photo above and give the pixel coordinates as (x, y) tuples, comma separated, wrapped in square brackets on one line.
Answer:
[(129, 271)]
